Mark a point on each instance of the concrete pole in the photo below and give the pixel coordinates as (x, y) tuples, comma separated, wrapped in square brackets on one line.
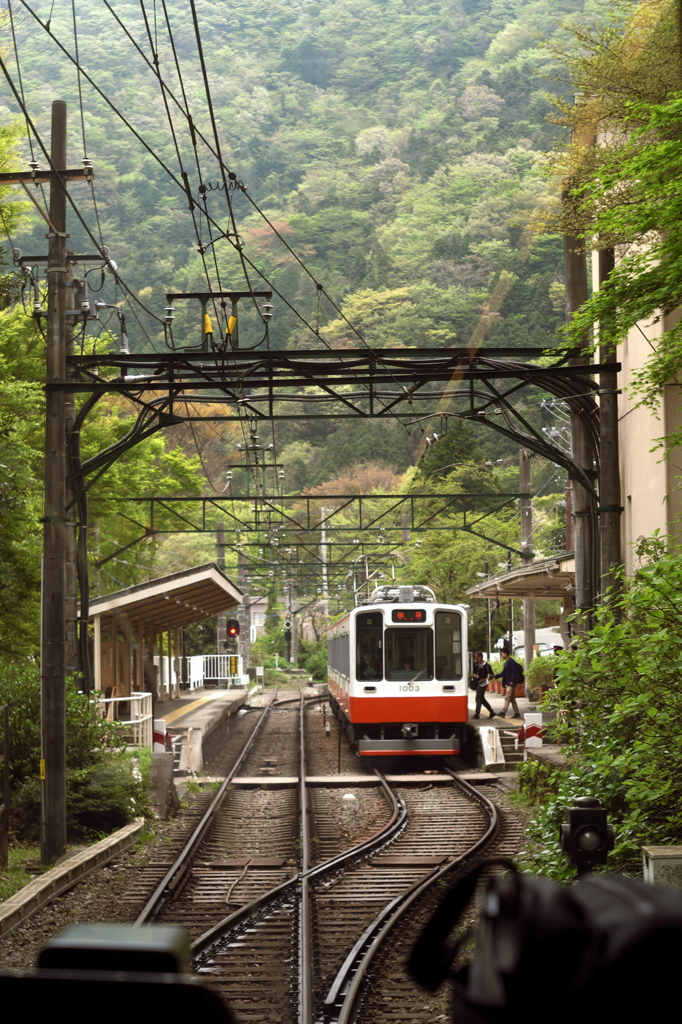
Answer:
[(526, 510), (53, 590), (221, 621), (575, 268), (323, 559), (244, 610), (610, 509)]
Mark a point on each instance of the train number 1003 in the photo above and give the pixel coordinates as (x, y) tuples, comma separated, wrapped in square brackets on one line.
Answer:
[(409, 688)]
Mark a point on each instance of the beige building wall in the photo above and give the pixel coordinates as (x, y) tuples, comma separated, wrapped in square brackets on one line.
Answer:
[(650, 480)]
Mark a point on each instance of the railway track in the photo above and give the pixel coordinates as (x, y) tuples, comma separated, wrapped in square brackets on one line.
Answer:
[(312, 889)]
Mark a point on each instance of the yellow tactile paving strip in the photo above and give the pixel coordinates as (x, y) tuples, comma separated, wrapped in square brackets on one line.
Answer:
[(185, 710)]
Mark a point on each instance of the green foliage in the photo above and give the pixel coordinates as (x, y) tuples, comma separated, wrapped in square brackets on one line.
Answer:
[(538, 780), (100, 798), (86, 731), (264, 649), (15, 876), (103, 790), (540, 675), (619, 697), (624, 191), (644, 214), (154, 466), (312, 656)]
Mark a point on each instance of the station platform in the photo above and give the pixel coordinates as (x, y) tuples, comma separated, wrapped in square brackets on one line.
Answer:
[(192, 717), (496, 701)]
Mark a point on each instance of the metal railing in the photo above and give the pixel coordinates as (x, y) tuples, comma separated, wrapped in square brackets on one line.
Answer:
[(133, 712), (221, 668)]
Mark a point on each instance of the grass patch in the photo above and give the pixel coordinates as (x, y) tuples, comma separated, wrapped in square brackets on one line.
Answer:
[(16, 875)]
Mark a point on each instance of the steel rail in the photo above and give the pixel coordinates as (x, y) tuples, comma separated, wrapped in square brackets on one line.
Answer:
[(350, 978), (177, 871), (387, 834), (305, 977)]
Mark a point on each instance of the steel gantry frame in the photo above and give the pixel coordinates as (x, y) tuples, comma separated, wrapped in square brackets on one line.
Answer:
[(393, 383), (288, 522), (472, 384), (468, 383)]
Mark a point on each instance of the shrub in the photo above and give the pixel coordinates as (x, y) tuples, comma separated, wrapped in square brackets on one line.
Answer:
[(263, 649), (103, 790), (86, 731), (540, 676), (618, 698), (99, 799)]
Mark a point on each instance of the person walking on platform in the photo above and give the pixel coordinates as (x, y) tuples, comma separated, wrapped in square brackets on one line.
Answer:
[(510, 676), (482, 673)]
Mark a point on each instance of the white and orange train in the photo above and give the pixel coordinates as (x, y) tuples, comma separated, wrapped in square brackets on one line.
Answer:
[(397, 673)]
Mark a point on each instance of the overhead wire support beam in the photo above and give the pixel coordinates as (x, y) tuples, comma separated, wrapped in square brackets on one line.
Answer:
[(271, 369), (272, 516), (307, 520), (40, 176)]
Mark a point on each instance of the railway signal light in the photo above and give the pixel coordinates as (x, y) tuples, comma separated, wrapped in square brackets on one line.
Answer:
[(586, 838), (232, 627)]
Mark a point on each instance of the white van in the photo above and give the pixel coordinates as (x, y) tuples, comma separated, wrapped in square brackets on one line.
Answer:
[(545, 641)]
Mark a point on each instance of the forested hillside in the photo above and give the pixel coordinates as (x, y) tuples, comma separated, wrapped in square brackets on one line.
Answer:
[(391, 152), (394, 145)]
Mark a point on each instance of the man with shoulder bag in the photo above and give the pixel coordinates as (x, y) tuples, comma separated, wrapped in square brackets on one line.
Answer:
[(511, 675), (482, 673)]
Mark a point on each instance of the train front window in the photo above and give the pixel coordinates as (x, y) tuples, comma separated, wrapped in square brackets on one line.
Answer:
[(369, 627), (448, 645), (409, 654)]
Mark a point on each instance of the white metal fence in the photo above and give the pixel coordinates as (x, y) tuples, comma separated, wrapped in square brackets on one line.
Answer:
[(134, 712), (216, 669)]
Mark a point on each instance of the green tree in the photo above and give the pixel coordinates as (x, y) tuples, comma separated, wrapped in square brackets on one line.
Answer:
[(155, 466), (622, 174), (642, 214)]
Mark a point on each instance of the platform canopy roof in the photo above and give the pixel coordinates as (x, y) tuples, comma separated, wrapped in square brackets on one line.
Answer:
[(547, 578), (172, 601)]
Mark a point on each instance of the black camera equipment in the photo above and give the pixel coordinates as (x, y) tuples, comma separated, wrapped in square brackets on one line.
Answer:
[(111, 973), (604, 947)]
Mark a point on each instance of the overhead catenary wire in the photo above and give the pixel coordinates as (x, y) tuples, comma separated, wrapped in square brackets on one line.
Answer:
[(164, 94), (216, 153), (152, 153), (194, 132), (72, 203), (21, 84), (212, 222)]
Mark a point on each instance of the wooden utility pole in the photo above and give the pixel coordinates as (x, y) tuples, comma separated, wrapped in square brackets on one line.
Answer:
[(72, 657), (526, 510), (55, 594), (610, 509), (53, 598)]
